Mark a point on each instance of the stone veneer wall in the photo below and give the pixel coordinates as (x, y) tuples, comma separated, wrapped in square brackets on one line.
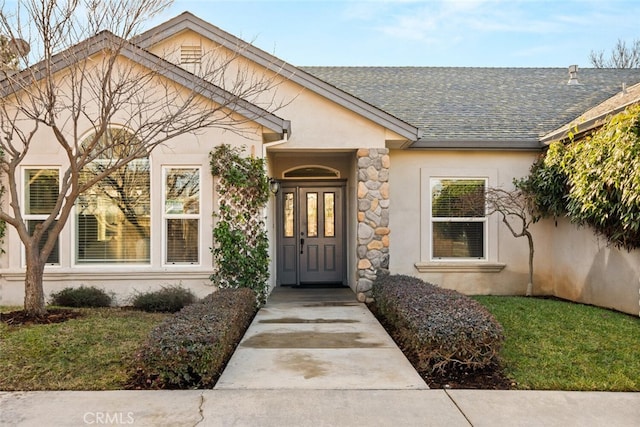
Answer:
[(373, 216)]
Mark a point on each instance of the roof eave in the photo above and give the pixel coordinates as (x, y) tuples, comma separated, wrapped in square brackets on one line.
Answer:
[(477, 144), (576, 131)]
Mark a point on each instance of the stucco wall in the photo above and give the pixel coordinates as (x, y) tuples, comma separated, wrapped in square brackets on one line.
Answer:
[(125, 280), (506, 272), (585, 269)]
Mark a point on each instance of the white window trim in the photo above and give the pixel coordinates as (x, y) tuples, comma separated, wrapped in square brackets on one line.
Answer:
[(429, 264), (28, 217), (166, 216)]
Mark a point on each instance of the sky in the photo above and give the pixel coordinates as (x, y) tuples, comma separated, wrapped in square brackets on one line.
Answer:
[(463, 33)]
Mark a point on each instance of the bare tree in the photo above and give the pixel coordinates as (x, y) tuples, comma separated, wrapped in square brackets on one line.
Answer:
[(622, 56), (517, 211), (84, 73)]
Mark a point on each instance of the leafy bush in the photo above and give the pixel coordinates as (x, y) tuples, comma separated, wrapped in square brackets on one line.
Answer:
[(168, 300), (595, 180), (81, 297), (440, 328), (191, 348)]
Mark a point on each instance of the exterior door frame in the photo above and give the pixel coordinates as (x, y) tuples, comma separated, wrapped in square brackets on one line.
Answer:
[(290, 274)]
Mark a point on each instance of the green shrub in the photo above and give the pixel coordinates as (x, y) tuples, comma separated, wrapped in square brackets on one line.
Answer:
[(595, 181), (440, 328), (241, 249), (81, 297), (191, 348), (168, 299)]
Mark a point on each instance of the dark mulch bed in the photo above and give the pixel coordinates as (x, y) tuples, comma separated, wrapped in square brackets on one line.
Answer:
[(490, 378), (54, 315)]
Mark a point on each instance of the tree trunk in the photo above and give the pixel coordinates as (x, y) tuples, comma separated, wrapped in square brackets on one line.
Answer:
[(530, 284), (33, 290)]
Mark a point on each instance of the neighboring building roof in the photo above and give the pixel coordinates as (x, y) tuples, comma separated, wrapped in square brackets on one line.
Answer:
[(479, 107), (597, 116)]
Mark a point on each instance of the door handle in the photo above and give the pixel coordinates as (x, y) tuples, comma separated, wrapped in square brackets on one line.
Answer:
[(301, 246)]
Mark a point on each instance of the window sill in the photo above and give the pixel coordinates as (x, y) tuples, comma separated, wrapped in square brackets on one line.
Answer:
[(459, 267)]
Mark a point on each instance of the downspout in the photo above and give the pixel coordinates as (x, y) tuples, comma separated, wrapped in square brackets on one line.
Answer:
[(265, 146), (285, 138)]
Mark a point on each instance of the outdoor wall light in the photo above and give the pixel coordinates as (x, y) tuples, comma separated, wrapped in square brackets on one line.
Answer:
[(274, 186)]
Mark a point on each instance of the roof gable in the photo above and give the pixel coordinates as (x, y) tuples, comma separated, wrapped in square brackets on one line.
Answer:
[(105, 40), (188, 21)]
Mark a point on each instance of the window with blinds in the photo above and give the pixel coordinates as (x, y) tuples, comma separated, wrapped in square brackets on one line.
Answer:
[(113, 217), (181, 215), (41, 187), (458, 219)]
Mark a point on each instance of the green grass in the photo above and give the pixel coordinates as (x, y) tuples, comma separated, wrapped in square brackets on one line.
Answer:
[(92, 352), (550, 345), (558, 345)]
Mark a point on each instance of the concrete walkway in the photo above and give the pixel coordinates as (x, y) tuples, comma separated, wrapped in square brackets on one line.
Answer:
[(317, 339), (318, 358)]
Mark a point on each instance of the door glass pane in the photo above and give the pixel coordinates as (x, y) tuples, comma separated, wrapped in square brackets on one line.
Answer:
[(288, 214), (329, 215), (312, 214)]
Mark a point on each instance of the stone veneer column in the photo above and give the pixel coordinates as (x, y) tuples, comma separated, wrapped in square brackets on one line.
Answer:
[(373, 216)]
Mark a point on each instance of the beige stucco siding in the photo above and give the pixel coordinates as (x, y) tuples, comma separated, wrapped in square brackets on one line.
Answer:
[(318, 123), (506, 269), (187, 150), (586, 269)]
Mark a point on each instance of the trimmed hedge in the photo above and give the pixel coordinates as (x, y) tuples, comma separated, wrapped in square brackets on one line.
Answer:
[(440, 328), (191, 348), (169, 299), (81, 297)]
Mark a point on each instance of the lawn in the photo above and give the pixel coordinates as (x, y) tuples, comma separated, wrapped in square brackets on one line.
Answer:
[(91, 352), (558, 345), (550, 345)]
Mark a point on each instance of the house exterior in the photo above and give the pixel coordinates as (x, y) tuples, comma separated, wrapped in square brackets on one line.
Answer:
[(367, 160)]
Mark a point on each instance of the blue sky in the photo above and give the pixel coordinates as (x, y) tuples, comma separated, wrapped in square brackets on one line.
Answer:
[(475, 33)]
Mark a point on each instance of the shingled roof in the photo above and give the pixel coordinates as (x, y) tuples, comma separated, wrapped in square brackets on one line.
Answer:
[(490, 107)]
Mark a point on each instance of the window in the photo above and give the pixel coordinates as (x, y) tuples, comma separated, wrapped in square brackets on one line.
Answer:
[(181, 215), (458, 220), (311, 172), (41, 187), (113, 216)]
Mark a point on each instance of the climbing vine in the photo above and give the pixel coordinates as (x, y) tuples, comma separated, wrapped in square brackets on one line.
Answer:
[(595, 181), (240, 248)]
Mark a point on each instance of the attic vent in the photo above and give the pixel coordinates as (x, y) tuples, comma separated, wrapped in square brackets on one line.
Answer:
[(190, 54), (573, 75)]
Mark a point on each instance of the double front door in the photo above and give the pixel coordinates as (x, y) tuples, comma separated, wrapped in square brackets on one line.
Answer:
[(310, 230)]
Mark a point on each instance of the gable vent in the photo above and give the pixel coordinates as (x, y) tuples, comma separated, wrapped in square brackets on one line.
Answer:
[(190, 54)]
